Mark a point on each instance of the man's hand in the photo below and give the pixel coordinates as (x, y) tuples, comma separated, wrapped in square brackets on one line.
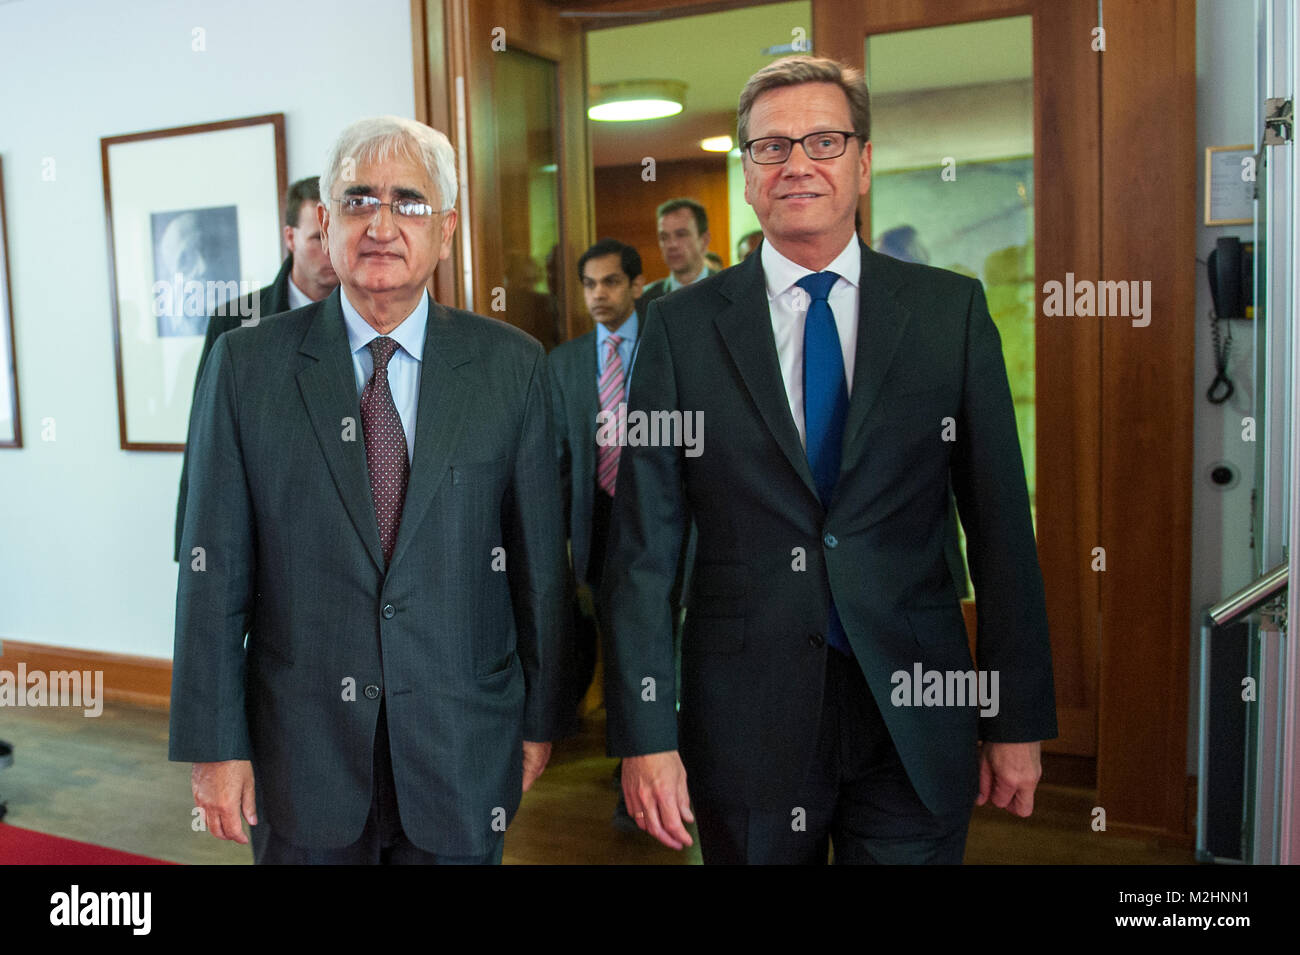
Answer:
[(654, 787), (1011, 770), (536, 756), (224, 790)]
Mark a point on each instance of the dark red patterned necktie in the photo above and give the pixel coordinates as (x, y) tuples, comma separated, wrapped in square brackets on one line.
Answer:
[(385, 446)]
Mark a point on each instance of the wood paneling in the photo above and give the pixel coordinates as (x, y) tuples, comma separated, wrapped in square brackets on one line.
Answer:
[(1067, 189), (625, 205), (1148, 215), (595, 14), (435, 106), (1067, 365), (127, 679), (458, 45), (577, 189), (1114, 402), (837, 24)]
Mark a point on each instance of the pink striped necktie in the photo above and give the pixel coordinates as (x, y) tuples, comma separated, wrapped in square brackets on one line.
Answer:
[(610, 389)]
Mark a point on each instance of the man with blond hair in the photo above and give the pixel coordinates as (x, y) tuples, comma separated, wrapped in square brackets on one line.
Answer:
[(841, 390)]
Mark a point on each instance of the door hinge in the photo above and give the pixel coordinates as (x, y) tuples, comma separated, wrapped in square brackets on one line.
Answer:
[(1278, 121)]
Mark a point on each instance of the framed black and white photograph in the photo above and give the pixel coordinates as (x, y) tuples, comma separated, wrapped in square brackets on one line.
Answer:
[(193, 219), (11, 432)]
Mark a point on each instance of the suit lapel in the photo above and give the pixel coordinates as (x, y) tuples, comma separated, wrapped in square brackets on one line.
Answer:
[(329, 391), (277, 298), (443, 408), (882, 319), (746, 328)]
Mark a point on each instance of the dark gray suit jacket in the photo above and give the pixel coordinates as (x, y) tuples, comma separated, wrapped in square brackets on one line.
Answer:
[(770, 556), (575, 402), (271, 300), (461, 637), (658, 289)]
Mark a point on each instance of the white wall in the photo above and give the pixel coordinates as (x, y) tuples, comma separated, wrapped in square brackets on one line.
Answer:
[(86, 528), (1225, 115)]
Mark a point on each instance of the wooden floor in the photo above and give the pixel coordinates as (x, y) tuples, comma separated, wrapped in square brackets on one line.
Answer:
[(107, 781)]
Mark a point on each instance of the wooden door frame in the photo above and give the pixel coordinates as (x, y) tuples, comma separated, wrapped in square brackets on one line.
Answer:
[(458, 33), (1065, 354), (1102, 382)]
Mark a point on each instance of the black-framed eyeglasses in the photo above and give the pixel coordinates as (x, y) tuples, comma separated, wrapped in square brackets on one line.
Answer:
[(363, 207), (825, 144)]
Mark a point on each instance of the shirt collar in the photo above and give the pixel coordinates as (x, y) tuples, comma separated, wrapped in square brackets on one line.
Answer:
[(674, 285), (626, 331), (297, 297), (409, 334), (781, 274)]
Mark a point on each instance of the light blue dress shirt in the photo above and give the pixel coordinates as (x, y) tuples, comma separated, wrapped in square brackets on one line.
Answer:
[(626, 349), (674, 285), (403, 367)]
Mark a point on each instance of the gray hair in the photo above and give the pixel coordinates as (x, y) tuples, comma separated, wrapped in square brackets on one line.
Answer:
[(796, 70), (377, 138)]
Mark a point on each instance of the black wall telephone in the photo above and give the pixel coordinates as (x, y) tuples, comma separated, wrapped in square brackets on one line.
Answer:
[(1231, 268)]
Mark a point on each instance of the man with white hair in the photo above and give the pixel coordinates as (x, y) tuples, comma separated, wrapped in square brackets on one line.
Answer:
[(374, 503)]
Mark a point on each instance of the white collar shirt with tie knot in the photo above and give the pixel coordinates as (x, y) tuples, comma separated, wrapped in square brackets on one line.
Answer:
[(788, 306)]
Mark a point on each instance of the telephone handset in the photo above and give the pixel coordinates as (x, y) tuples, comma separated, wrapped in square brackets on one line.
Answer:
[(1231, 269)]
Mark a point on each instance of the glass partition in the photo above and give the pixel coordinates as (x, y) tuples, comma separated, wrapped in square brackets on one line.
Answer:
[(952, 177)]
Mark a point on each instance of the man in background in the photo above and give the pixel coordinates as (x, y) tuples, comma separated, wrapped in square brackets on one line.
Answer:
[(747, 244), (306, 276), (589, 378), (611, 281), (683, 240)]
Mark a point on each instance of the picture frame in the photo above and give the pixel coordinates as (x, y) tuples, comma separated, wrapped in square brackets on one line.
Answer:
[(192, 215), (11, 424), (1229, 196)]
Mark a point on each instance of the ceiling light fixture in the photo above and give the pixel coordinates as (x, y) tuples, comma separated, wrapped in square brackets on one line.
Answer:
[(630, 100), (716, 144)]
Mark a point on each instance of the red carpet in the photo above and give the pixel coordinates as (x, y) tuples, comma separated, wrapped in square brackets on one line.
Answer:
[(24, 847)]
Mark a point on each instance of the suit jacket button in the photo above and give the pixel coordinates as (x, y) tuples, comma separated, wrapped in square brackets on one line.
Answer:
[(389, 611), (830, 540), (371, 691), (816, 640)]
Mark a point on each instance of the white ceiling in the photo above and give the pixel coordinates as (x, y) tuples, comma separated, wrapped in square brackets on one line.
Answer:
[(712, 53)]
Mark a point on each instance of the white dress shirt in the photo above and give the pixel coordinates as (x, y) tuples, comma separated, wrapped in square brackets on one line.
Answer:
[(788, 306), (297, 297)]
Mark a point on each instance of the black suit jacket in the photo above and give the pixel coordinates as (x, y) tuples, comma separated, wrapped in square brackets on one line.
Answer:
[(658, 289), (575, 402), (460, 636), (770, 557), (268, 301)]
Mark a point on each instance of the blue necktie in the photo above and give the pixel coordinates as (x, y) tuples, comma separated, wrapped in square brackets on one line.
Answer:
[(825, 406)]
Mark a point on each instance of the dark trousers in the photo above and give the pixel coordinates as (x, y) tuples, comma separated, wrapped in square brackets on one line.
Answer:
[(382, 841), (856, 799)]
